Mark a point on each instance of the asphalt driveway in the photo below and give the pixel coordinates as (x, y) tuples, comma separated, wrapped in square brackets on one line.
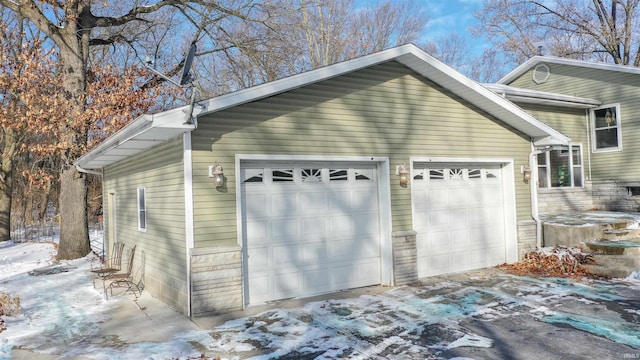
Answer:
[(486, 314), (481, 315)]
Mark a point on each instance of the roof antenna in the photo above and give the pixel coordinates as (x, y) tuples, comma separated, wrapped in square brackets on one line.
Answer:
[(540, 50), (186, 79)]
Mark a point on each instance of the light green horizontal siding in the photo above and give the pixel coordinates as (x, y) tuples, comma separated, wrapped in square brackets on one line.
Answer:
[(160, 171), (609, 87), (383, 111)]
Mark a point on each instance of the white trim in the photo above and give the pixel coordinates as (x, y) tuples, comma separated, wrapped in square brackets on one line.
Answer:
[(618, 128), (384, 204), (509, 194), (188, 211)]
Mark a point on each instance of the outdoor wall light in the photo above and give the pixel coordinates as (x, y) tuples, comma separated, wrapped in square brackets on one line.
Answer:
[(526, 172), (403, 173), (216, 172)]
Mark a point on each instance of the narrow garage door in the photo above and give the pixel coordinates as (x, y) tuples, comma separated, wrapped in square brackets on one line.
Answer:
[(309, 229), (459, 217)]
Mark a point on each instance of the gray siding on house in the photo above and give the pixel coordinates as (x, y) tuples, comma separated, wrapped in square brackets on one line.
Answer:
[(386, 110), (162, 246), (609, 87)]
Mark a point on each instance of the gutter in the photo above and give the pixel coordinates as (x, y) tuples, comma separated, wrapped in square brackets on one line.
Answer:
[(88, 171)]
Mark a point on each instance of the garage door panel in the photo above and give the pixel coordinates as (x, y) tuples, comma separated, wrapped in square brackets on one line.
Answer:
[(258, 230), (340, 225), (314, 252), (313, 229), (312, 203), (437, 220), (282, 229), (459, 217), (316, 280), (283, 203), (260, 257), (286, 284), (363, 201), (286, 256)]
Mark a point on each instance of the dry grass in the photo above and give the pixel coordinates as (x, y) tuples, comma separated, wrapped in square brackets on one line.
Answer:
[(9, 305)]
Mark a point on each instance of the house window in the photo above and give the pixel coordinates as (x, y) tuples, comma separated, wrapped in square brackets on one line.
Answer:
[(606, 133), (142, 209), (560, 167)]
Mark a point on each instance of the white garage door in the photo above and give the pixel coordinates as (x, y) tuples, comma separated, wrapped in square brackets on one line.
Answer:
[(459, 217), (309, 229)]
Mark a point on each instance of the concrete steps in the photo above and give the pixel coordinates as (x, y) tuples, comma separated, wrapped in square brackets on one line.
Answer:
[(616, 259), (613, 238)]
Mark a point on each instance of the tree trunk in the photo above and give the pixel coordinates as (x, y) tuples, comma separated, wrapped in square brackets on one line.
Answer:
[(6, 183), (74, 233)]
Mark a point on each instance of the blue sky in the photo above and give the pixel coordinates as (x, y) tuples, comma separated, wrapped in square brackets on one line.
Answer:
[(447, 16)]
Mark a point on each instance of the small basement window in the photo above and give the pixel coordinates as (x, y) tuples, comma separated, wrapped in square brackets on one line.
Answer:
[(634, 190)]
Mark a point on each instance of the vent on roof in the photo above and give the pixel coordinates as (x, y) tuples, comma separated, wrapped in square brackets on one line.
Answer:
[(541, 74)]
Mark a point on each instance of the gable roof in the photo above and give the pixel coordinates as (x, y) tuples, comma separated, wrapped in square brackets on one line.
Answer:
[(140, 133), (531, 63)]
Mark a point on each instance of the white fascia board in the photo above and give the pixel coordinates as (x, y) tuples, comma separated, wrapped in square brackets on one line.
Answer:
[(548, 141), (529, 64), (529, 96)]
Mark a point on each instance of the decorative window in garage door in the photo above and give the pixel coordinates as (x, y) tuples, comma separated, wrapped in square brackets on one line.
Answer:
[(454, 174), (306, 175)]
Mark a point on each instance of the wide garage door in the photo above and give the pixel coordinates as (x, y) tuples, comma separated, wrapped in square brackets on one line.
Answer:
[(308, 228), (459, 216)]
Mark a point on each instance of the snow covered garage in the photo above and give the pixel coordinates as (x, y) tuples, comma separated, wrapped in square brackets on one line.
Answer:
[(308, 195)]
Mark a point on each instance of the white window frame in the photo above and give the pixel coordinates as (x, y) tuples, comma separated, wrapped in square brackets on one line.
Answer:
[(617, 127), (142, 208), (572, 168)]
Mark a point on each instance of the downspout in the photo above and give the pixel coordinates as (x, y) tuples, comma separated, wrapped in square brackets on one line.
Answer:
[(588, 121), (188, 212), (533, 183)]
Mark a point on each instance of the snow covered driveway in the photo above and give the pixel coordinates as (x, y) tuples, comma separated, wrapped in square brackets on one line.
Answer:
[(488, 315), (480, 315)]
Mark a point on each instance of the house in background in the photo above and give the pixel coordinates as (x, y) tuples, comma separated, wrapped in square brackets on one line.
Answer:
[(596, 105), (379, 170)]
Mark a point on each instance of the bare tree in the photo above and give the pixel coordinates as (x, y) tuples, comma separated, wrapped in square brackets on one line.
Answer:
[(308, 34), (77, 26), (585, 29)]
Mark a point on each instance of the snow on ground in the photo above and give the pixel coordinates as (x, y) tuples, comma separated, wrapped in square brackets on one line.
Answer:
[(62, 313)]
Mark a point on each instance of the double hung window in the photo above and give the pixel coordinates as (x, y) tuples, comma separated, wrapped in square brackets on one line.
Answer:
[(606, 132)]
